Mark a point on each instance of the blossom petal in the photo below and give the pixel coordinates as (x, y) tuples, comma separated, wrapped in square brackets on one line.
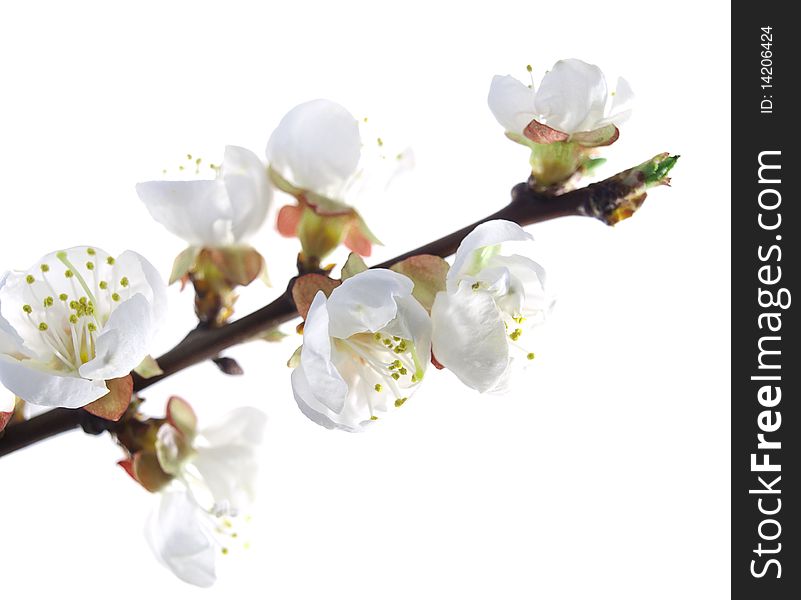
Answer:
[(10, 341), (243, 425), (469, 337), (198, 212), (146, 280), (123, 342), (48, 389), (622, 102), (366, 302), (249, 191), (316, 147), (512, 103), (178, 538), (325, 383), (572, 96), (229, 473), (470, 258)]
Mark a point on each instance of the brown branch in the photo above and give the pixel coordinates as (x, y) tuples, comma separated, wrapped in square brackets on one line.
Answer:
[(609, 201)]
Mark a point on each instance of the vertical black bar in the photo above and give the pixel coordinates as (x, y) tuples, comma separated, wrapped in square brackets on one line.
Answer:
[(766, 264)]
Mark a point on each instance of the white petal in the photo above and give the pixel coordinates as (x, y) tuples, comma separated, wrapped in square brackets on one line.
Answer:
[(196, 211), (249, 191), (7, 402), (366, 302), (325, 383), (572, 96), (414, 323), (177, 536), (244, 425), (526, 292), (144, 279), (469, 257), (622, 103), (123, 343), (316, 147), (308, 403), (10, 341), (229, 472), (469, 337), (46, 389), (512, 103)]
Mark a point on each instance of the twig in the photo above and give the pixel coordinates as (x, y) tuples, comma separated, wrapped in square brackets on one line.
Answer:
[(610, 201)]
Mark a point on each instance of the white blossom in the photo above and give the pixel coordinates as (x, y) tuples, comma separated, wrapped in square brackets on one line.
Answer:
[(75, 319), (482, 323), (214, 473), (365, 350), (572, 99), (213, 213)]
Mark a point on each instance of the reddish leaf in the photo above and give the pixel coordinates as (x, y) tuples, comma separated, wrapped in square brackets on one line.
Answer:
[(428, 273), (357, 242), (306, 287), (148, 472), (5, 417), (542, 134), (288, 219), (127, 465), (114, 404), (181, 416)]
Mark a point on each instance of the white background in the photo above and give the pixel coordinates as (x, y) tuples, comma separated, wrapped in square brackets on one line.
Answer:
[(604, 475)]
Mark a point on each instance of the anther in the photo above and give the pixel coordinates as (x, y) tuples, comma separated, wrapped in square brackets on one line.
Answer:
[(42, 326), (27, 309), (124, 282), (90, 265), (110, 260), (30, 279), (44, 268), (399, 402), (63, 297), (378, 387)]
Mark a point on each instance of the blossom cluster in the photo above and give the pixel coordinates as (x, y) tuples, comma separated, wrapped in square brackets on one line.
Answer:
[(76, 324)]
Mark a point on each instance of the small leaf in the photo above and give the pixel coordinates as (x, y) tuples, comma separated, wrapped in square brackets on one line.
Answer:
[(306, 287), (238, 265), (294, 360), (428, 272), (604, 136), (148, 368), (354, 265), (114, 404), (183, 263), (148, 472), (181, 416), (228, 365), (272, 336)]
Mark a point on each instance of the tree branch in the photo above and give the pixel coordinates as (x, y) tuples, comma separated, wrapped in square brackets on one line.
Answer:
[(610, 201)]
